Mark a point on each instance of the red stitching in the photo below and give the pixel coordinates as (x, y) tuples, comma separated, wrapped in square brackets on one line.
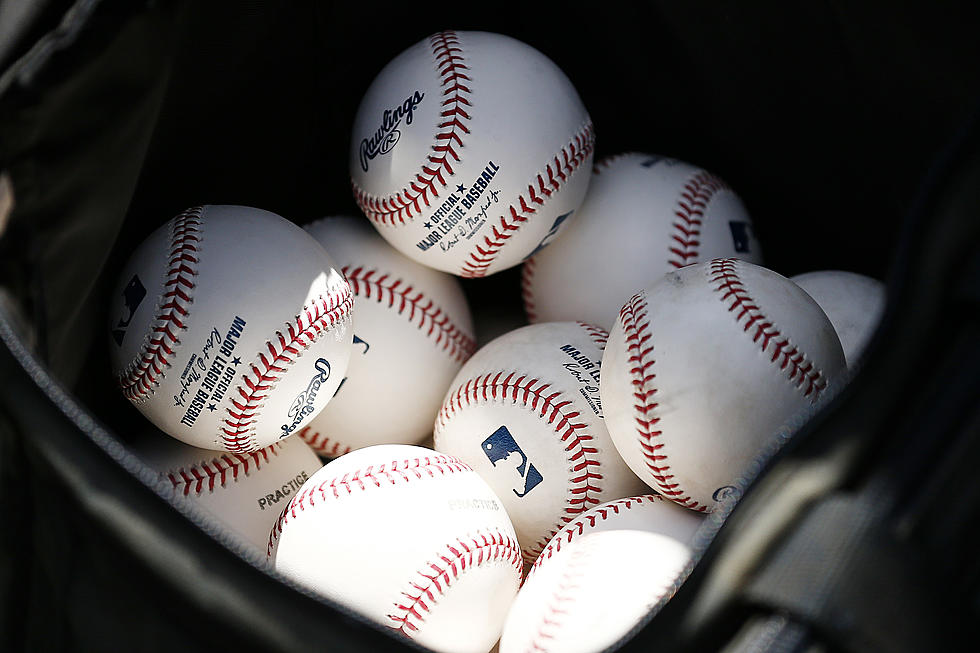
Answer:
[(322, 444), (207, 473), (142, 375), (238, 432), (577, 528), (691, 205), (582, 566), (439, 575), (403, 296), (527, 293), (566, 590), (609, 160), (800, 371), (639, 349), (556, 173), (361, 480), (536, 395), (407, 203), (599, 336)]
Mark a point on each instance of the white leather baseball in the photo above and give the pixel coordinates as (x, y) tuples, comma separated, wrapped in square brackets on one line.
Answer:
[(703, 367), (594, 592), (651, 513), (245, 492), (644, 215), (230, 328), (408, 537), (412, 333), (469, 151), (524, 412), (853, 303)]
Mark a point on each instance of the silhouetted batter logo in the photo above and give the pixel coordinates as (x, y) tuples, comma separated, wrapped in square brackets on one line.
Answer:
[(357, 341), (550, 236), (740, 235), (501, 446), (133, 296)]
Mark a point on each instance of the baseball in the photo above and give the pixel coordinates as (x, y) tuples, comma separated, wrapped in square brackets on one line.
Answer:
[(704, 366), (412, 333), (594, 592), (525, 413), (853, 303), (469, 152), (410, 538), (230, 328), (243, 491), (644, 215), (651, 513)]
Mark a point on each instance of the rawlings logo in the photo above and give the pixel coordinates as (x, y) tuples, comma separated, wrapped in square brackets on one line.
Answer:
[(725, 492), (303, 404), (385, 139)]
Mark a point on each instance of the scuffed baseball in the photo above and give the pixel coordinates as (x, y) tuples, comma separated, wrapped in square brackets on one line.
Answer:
[(594, 592), (470, 150), (705, 366), (412, 333), (853, 303), (650, 513), (408, 537), (245, 492), (525, 413), (644, 215), (230, 328)]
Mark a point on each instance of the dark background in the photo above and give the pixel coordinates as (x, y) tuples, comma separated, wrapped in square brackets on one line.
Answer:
[(822, 116)]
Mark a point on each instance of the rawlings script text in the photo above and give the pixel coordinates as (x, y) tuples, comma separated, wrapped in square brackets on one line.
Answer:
[(387, 136), (303, 404)]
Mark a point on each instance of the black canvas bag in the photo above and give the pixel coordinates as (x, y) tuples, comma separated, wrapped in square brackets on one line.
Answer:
[(850, 133)]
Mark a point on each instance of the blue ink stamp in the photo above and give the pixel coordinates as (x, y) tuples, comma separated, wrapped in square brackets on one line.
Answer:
[(501, 446)]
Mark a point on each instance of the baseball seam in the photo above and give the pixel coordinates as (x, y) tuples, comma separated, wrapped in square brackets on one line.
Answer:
[(322, 444), (527, 289), (689, 211), (207, 474), (439, 574), (606, 162), (579, 581), (407, 203), (539, 190), (390, 474), (639, 349), (556, 610), (598, 336), (325, 312), (403, 297), (142, 375), (577, 528), (536, 395), (800, 371)]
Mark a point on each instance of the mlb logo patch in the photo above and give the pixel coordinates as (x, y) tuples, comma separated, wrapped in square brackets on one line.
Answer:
[(740, 235), (501, 446), (133, 295)]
